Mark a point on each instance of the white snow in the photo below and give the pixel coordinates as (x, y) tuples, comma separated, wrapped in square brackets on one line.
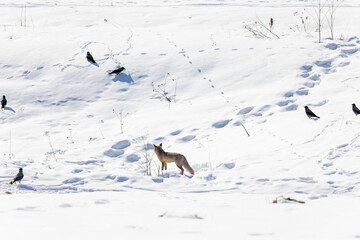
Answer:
[(84, 179)]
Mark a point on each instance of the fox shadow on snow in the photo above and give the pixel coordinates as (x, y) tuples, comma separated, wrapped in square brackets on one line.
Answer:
[(123, 78)]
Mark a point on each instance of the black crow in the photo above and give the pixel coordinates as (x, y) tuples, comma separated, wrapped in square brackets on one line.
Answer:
[(355, 109), (117, 71), (90, 58), (309, 113), (18, 177), (3, 102)]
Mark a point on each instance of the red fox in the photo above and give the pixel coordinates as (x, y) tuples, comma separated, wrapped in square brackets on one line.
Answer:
[(169, 157)]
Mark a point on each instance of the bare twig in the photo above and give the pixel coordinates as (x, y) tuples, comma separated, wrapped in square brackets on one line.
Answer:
[(332, 7), (271, 24), (70, 137), (304, 21), (319, 20), (294, 200), (162, 215), (257, 33), (102, 134), (47, 133), (161, 89), (245, 130), (198, 217), (23, 16), (10, 153), (261, 30), (145, 152), (175, 91), (288, 199), (318, 17), (121, 118)]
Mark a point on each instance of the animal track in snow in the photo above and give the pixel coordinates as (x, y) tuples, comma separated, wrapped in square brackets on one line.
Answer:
[(289, 94), (109, 56), (184, 54), (324, 64), (132, 158), (101, 201), (245, 110), (121, 145), (315, 77), (77, 170), (302, 92), (159, 139), (343, 64), (221, 124), (306, 68), (148, 146), (89, 162), (238, 123), (187, 138), (121, 179), (228, 166), (314, 71), (349, 51), (292, 107), (74, 180), (321, 103), (113, 153), (176, 133), (213, 43), (263, 180), (284, 103)]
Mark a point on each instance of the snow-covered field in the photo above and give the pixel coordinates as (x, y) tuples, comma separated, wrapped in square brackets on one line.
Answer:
[(85, 171)]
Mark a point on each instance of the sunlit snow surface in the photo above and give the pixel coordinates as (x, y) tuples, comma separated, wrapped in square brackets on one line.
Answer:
[(85, 179)]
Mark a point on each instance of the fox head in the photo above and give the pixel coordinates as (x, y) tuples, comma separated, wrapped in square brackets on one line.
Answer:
[(160, 146), (157, 148)]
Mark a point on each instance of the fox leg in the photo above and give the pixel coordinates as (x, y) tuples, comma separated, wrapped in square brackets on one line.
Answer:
[(165, 165), (181, 168), (162, 165)]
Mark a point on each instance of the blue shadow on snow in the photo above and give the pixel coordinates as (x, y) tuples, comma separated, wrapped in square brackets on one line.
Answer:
[(123, 78), (10, 109)]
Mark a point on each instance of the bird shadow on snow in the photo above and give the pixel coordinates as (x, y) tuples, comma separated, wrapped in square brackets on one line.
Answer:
[(95, 64), (26, 187), (9, 109), (123, 78)]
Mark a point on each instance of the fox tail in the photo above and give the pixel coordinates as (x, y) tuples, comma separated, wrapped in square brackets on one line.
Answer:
[(188, 168)]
